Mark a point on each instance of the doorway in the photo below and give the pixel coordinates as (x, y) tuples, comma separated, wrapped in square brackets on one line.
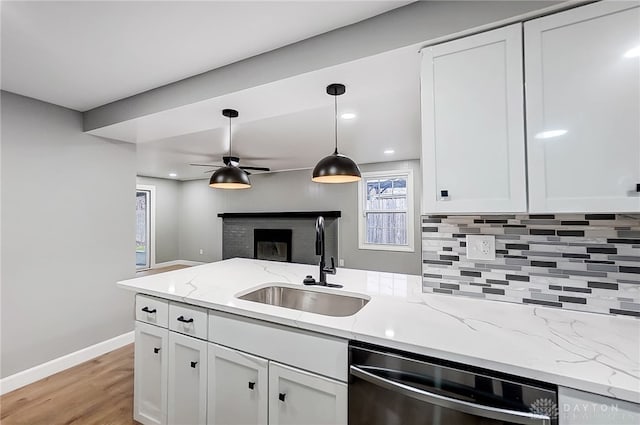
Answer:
[(145, 227)]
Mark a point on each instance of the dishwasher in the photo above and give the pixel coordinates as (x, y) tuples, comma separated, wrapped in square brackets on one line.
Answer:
[(391, 387)]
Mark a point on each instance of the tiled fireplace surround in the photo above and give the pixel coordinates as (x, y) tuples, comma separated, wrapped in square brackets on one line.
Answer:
[(238, 233), (588, 262)]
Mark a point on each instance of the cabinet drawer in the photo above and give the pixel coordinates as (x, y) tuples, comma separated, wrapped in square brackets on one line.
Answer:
[(188, 320), (321, 354), (152, 310)]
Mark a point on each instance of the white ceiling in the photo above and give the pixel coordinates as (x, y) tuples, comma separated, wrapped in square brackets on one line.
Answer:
[(83, 54), (288, 124)]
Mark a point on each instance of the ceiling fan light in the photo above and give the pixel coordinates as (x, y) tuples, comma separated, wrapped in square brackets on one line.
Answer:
[(229, 177), (336, 168)]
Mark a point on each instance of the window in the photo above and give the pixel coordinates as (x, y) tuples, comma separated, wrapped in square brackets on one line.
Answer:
[(386, 210)]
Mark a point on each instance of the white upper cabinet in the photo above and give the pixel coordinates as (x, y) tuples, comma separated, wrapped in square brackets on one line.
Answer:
[(582, 72), (473, 149)]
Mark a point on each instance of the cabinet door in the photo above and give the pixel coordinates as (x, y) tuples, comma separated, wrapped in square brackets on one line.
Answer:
[(238, 386), (150, 374), (581, 408), (187, 401), (303, 398), (582, 72), (473, 148)]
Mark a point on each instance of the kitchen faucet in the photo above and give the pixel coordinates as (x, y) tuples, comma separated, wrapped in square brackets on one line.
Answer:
[(320, 250)]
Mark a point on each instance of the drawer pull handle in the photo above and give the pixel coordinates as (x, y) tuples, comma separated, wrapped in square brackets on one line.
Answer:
[(146, 310), (638, 187), (252, 385), (156, 350), (281, 397), (183, 320), (194, 364)]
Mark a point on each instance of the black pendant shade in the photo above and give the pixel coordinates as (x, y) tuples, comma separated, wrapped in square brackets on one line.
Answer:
[(336, 168), (229, 176)]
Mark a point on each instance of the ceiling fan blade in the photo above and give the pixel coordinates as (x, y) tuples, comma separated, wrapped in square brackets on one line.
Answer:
[(208, 171), (255, 168), (207, 165)]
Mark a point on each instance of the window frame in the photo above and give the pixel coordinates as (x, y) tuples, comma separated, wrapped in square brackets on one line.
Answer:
[(362, 244)]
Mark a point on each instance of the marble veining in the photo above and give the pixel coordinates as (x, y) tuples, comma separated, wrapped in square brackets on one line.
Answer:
[(590, 352)]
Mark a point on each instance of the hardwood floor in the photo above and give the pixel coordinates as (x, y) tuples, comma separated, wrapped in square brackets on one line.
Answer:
[(97, 392)]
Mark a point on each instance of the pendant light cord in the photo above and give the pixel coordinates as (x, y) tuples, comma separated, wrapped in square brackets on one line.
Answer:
[(335, 107), (229, 135)]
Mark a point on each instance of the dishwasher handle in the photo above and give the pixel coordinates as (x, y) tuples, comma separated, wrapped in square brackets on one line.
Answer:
[(505, 415)]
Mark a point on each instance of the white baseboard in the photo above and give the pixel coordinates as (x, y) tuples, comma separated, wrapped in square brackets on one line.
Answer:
[(49, 368), (177, 263)]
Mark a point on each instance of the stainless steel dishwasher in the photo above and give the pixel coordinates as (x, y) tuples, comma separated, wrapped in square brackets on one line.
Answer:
[(389, 387)]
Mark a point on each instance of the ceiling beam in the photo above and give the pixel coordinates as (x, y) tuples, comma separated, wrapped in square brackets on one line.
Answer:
[(413, 24)]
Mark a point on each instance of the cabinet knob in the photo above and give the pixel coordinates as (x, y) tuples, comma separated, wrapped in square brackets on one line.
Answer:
[(252, 385), (183, 320), (444, 193), (281, 396), (156, 350), (193, 364), (146, 310)]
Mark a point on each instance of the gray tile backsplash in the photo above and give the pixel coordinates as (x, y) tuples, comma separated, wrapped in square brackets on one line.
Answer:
[(588, 262)]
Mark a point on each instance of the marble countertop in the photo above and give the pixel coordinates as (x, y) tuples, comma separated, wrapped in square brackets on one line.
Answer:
[(590, 352)]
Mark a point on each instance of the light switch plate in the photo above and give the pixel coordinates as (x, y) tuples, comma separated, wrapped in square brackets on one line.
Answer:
[(481, 247)]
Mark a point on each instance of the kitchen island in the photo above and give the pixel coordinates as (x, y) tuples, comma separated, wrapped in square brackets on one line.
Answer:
[(590, 352)]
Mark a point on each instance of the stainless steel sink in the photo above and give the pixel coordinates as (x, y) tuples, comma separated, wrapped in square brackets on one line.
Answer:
[(312, 301)]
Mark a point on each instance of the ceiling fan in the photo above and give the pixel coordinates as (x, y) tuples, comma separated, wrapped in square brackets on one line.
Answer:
[(231, 161)]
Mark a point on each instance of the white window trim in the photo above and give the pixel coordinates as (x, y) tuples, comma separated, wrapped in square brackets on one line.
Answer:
[(410, 247)]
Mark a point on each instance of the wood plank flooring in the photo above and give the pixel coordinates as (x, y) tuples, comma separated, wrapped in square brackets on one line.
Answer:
[(97, 392)]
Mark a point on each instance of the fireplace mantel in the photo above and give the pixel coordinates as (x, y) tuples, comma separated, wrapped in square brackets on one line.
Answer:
[(284, 214)]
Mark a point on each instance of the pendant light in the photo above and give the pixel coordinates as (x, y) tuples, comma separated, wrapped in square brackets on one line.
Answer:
[(336, 168), (229, 176)]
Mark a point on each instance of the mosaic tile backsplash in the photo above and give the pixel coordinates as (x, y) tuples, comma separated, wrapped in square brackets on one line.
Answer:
[(588, 262)]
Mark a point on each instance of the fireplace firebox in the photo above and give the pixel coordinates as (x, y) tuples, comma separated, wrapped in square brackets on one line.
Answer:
[(272, 244)]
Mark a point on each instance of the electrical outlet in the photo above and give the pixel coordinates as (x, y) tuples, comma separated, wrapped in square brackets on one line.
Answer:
[(481, 247), (201, 251), (341, 262)]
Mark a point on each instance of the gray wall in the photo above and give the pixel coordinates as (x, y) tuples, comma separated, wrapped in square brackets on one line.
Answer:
[(68, 234), (166, 241), (290, 191)]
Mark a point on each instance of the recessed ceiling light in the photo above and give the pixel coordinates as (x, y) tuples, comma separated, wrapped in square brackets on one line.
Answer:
[(633, 53), (550, 133), (389, 151), (348, 116), (173, 175)]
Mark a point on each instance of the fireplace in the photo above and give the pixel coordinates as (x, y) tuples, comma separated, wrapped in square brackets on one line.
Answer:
[(272, 244)]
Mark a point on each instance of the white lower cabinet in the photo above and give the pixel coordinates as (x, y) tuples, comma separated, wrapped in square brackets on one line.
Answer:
[(150, 374), (301, 398), (582, 408), (238, 388), (187, 392)]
